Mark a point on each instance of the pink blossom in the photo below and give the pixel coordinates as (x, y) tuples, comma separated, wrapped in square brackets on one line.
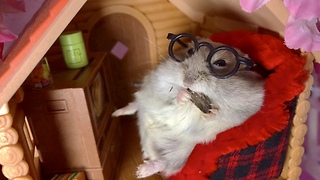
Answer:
[(303, 9), (303, 27), (5, 34), (301, 33)]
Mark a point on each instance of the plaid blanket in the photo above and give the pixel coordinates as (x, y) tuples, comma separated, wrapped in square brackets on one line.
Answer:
[(263, 161)]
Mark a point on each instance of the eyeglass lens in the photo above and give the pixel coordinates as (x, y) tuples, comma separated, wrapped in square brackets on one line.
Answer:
[(182, 48), (223, 61)]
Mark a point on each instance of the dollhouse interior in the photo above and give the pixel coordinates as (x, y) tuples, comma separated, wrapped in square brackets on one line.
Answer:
[(124, 39)]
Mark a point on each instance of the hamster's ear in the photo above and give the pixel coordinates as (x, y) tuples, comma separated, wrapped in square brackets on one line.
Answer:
[(243, 54), (203, 39), (198, 38), (214, 44)]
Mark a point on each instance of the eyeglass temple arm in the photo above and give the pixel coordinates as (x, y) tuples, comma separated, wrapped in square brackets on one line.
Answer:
[(171, 36), (248, 62)]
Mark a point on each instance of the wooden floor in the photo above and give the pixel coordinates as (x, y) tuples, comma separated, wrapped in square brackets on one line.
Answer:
[(131, 154)]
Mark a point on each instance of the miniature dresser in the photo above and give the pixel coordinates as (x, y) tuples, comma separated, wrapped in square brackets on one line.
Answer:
[(72, 124)]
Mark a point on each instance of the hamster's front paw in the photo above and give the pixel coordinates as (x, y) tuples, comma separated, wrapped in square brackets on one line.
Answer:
[(149, 168), (131, 108), (213, 110), (183, 96), (212, 113)]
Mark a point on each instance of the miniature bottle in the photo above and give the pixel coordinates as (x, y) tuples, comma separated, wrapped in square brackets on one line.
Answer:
[(73, 48)]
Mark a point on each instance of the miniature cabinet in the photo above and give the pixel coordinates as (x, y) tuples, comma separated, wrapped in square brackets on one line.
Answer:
[(71, 121)]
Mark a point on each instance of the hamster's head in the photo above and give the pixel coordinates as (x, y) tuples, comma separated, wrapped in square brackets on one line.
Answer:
[(206, 75)]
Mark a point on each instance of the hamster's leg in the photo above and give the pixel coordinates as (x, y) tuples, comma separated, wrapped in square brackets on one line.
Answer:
[(146, 138), (174, 155), (146, 144), (149, 168), (130, 109)]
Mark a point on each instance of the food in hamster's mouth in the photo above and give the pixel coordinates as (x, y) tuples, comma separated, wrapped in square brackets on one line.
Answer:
[(201, 101)]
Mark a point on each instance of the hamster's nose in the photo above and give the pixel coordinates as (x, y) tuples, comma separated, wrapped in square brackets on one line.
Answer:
[(189, 80)]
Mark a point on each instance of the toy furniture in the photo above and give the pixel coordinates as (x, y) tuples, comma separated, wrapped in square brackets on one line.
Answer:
[(142, 26), (72, 124)]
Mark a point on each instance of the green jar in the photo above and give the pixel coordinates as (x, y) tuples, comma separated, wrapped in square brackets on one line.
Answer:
[(73, 49)]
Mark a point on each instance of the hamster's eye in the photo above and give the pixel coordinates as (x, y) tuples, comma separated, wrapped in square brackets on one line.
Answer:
[(220, 62), (190, 51)]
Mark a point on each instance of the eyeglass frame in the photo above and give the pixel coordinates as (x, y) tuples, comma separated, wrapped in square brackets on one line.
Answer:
[(239, 59)]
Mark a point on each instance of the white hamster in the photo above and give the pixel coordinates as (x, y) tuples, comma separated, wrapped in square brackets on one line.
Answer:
[(170, 125)]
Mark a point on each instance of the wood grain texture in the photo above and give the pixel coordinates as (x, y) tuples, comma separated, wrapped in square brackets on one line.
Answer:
[(131, 157)]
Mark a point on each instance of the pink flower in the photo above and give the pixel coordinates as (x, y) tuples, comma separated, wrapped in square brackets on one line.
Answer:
[(303, 26), (302, 33), (303, 9), (5, 34)]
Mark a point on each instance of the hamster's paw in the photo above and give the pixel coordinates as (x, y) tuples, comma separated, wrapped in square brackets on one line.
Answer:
[(144, 171), (213, 110), (131, 108), (211, 114), (149, 168), (183, 96), (117, 113)]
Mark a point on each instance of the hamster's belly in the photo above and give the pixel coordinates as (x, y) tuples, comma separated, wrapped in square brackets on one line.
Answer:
[(171, 121), (166, 129)]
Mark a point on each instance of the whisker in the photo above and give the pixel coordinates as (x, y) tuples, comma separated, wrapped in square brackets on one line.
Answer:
[(148, 40), (154, 44), (237, 42)]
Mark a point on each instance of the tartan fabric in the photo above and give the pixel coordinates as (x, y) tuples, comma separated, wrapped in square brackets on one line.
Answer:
[(263, 161)]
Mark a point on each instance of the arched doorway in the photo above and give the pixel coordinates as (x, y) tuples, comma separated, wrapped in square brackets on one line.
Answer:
[(130, 27)]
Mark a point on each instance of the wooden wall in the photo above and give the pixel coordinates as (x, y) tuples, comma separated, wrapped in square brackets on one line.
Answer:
[(163, 16)]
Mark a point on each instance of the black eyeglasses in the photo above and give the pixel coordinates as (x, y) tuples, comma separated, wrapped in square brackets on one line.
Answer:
[(224, 61)]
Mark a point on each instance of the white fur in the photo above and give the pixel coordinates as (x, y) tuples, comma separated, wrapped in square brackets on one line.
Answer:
[(170, 125)]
